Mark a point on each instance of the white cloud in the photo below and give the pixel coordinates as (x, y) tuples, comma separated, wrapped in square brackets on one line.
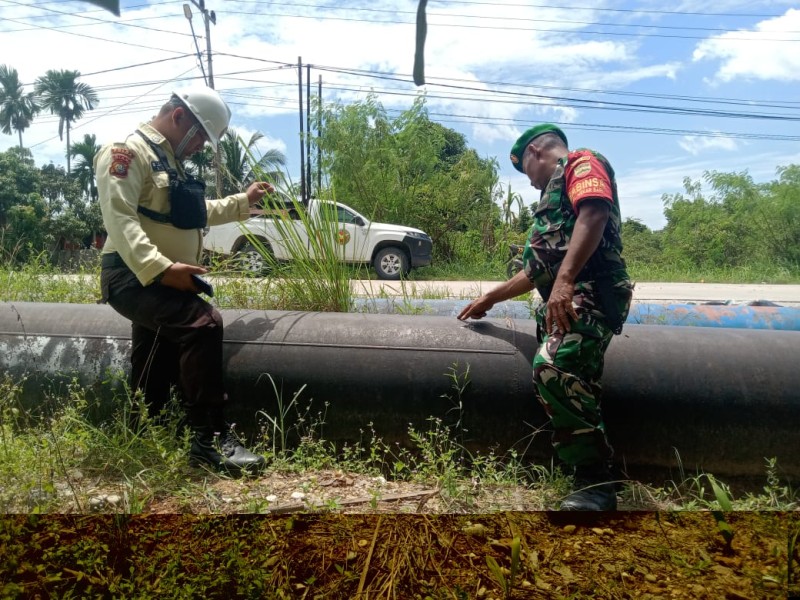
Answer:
[(694, 144), (756, 53)]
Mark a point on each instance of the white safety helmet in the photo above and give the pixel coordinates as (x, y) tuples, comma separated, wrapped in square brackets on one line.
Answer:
[(210, 110)]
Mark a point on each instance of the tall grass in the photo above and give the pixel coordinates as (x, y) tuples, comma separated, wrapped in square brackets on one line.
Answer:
[(316, 278)]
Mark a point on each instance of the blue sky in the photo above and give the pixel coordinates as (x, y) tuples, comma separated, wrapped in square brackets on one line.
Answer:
[(664, 91)]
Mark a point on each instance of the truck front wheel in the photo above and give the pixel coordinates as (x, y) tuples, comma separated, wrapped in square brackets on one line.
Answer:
[(250, 260), (391, 263)]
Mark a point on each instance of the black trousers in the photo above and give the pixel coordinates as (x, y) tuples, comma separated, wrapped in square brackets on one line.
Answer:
[(176, 340)]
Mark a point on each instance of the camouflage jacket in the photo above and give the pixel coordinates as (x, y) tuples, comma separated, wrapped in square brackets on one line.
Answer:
[(580, 175)]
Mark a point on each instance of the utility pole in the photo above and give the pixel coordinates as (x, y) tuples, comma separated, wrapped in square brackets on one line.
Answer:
[(308, 131), (319, 136), (209, 17), (303, 182), (187, 12)]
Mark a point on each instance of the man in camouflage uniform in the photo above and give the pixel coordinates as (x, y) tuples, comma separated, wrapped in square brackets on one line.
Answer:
[(573, 259)]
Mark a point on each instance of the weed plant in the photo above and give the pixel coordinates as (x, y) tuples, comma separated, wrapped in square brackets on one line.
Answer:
[(65, 461), (39, 281), (50, 461)]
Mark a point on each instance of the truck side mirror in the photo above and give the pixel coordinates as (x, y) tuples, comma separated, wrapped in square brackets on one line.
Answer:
[(359, 221)]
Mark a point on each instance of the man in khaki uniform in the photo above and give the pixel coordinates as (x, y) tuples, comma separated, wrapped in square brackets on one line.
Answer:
[(154, 214)]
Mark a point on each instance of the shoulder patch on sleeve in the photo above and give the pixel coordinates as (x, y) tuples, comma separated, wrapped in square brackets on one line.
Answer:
[(121, 157), (582, 169)]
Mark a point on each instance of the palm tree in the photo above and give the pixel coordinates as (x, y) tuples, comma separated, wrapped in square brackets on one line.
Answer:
[(85, 151), (63, 95), (17, 108), (239, 167), (201, 162)]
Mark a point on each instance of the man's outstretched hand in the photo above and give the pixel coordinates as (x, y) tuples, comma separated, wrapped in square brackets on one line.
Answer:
[(257, 191)]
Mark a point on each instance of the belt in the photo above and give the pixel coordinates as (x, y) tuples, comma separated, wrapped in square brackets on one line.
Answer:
[(112, 260)]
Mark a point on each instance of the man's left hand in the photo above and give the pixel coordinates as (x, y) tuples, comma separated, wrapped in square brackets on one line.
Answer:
[(257, 191)]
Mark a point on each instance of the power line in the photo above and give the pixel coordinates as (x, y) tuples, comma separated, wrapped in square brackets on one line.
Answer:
[(513, 28), (407, 78), (496, 18), (131, 23), (493, 4), (92, 37), (603, 104), (513, 97), (617, 128), (546, 6), (144, 64), (485, 120), (485, 96), (290, 105), (95, 20), (82, 124)]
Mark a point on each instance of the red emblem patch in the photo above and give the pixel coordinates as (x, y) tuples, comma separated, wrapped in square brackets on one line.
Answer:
[(120, 159)]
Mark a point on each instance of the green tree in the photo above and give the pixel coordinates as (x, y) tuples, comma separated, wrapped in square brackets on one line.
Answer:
[(17, 108), (41, 208), (736, 222), (66, 220), (642, 245), (62, 94), (412, 171), (21, 206), (783, 207), (85, 152), (239, 165)]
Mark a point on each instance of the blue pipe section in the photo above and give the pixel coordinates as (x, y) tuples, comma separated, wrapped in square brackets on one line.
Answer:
[(763, 315), (715, 315)]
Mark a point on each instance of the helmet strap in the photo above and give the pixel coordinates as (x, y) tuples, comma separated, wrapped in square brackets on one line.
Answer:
[(185, 141)]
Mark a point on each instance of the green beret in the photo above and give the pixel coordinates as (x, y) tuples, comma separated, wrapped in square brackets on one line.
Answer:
[(518, 149)]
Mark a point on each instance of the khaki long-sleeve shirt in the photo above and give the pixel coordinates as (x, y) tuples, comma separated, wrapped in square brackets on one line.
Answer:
[(126, 180)]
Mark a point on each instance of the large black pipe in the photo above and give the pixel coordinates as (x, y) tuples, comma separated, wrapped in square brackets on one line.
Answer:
[(723, 400)]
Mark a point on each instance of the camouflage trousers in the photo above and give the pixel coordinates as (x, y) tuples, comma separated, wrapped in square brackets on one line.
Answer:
[(567, 370)]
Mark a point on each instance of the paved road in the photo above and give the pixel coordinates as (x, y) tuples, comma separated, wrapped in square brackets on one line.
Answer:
[(787, 295)]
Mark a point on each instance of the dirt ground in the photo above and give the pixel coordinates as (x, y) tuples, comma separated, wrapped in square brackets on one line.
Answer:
[(333, 535), (505, 555)]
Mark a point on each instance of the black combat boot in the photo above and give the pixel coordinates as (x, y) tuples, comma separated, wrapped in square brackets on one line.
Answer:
[(594, 490), (223, 452)]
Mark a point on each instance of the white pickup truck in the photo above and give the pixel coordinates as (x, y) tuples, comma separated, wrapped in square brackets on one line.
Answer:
[(393, 250)]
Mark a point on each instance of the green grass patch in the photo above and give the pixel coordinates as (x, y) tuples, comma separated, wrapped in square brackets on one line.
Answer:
[(753, 274)]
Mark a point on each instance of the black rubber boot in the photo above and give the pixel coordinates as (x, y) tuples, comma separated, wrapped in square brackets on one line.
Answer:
[(223, 452), (594, 491)]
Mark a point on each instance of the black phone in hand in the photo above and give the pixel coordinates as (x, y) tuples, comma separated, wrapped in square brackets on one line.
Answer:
[(203, 285)]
